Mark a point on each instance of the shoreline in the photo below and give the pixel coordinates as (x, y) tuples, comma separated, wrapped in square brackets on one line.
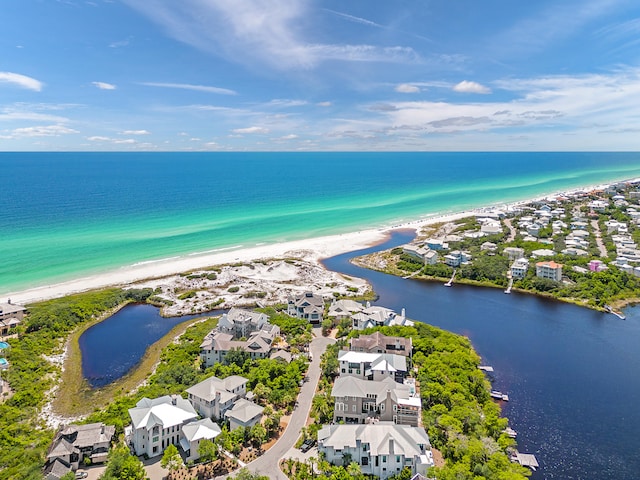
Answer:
[(311, 249)]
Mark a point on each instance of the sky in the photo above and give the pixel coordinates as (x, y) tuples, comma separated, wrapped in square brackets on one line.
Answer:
[(311, 75)]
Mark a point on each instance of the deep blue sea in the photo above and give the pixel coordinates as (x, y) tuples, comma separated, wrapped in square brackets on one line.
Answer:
[(66, 215)]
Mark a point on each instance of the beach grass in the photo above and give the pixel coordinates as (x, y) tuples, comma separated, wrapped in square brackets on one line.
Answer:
[(74, 396)]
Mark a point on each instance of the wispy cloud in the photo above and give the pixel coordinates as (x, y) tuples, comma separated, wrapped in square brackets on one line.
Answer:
[(242, 131), (135, 132), (324, 104), (104, 85), (40, 131), (471, 87), (21, 81), (255, 32), (407, 88), (354, 19), (186, 86)]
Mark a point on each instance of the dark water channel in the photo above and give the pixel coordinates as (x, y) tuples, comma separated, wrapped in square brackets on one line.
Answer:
[(572, 374), (110, 349)]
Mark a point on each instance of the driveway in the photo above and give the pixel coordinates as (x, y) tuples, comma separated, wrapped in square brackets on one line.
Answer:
[(267, 464)]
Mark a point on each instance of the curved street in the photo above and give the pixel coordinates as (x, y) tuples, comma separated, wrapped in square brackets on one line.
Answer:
[(267, 464)]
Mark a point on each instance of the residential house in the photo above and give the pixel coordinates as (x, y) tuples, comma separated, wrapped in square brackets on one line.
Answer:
[(489, 246), (241, 323), (364, 401), (380, 343), (11, 316), (381, 449), (597, 266), (73, 444), (372, 366), (212, 397), (343, 309), (457, 258), (519, 268), (193, 433), (543, 252), (217, 345), (158, 423), (377, 316), (244, 413), (550, 270), (513, 253), (436, 244), (491, 228), (308, 306)]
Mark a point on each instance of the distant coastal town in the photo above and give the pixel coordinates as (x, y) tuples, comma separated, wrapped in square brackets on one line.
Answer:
[(302, 376)]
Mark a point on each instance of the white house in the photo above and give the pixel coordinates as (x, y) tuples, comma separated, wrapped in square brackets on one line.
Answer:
[(457, 258), (519, 268), (212, 397), (216, 345), (513, 253), (343, 309), (244, 413), (372, 366), (195, 432), (381, 449), (550, 270), (158, 423), (377, 316)]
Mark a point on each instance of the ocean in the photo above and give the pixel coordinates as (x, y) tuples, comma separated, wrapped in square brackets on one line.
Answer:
[(68, 215)]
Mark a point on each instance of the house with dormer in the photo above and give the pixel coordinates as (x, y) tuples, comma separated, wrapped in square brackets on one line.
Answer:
[(212, 397), (308, 306)]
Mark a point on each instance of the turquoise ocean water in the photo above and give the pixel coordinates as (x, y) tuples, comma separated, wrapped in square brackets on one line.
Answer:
[(67, 215)]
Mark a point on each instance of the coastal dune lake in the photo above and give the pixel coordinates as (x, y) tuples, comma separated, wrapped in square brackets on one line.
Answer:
[(571, 373)]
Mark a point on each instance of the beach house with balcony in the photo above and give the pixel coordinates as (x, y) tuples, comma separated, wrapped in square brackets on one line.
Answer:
[(365, 401), (372, 366), (550, 270), (308, 306), (381, 449), (73, 444), (241, 323)]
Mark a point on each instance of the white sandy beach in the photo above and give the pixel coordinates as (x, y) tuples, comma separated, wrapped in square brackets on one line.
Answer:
[(312, 249)]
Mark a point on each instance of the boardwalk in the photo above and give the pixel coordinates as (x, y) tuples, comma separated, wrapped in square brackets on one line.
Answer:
[(512, 230)]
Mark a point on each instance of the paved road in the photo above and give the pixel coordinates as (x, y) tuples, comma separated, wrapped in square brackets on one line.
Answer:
[(267, 464), (596, 229)]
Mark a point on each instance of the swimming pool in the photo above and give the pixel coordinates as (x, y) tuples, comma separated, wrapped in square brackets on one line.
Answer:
[(4, 345), (3, 362)]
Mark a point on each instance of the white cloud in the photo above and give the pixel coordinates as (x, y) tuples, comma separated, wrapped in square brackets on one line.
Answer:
[(466, 86), (255, 32), (251, 130), (355, 19), (97, 138), (41, 131), (104, 86), (291, 136), (197, 88), (21, 81), (135, 132), (407, 88), (324, 104), (124, 141)]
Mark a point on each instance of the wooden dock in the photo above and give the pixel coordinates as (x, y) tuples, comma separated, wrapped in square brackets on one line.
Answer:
[(526, 460), (486, 368), (499, 395), (450, 282), (508, 290)]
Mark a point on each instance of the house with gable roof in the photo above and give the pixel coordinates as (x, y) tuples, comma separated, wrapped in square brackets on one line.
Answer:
[(158, 423), (212, 397), (382, 449), (308, 306), (372, 366), (241, 323), (244, 413), (379, 343)]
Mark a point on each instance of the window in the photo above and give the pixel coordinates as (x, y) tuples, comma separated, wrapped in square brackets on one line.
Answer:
[(384, 459), (397, 458), (364, 461), (155, 439), (155, 449), (354, 409)]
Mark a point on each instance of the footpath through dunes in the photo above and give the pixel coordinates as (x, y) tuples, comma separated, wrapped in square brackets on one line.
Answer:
[(269, 463)]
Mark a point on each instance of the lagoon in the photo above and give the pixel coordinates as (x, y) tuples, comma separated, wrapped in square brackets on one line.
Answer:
[(111, 348), (570, 372)]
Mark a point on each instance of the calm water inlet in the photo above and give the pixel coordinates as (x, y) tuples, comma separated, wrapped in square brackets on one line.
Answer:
[(110, 349), (571, 373)]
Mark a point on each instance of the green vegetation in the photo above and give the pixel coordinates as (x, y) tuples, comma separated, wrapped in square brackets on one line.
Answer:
[(23, 437), (121, 465)]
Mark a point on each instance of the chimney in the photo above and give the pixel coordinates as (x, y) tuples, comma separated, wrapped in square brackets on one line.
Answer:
[(174, 399)]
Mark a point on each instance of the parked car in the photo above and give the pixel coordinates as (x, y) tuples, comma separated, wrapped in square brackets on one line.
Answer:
[(81, 475), (307, 445)]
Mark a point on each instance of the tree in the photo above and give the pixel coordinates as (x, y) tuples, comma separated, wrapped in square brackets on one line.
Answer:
[(121, 465), (207, 450), (171, 459), (68, 476), (237, 356), (258, 434)]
